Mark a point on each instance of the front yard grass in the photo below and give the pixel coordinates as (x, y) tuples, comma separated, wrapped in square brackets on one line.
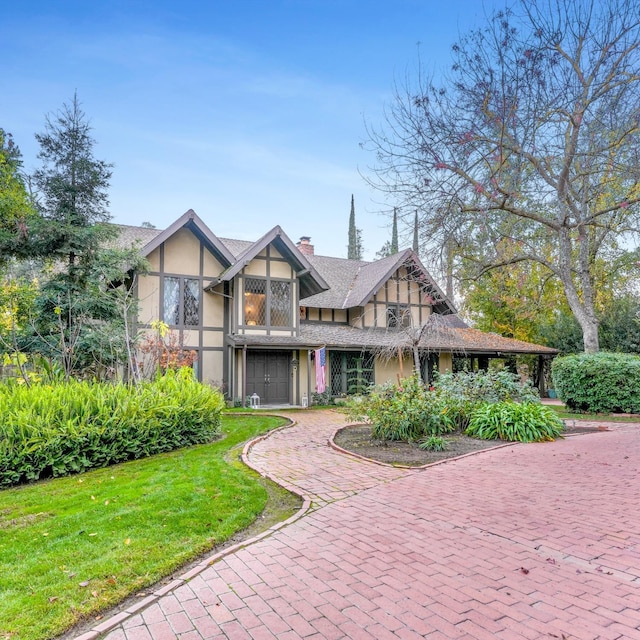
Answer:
[(74, 546), (567, 414)]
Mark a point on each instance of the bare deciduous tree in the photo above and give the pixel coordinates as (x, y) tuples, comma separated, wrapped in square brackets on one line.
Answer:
[(533, 140)]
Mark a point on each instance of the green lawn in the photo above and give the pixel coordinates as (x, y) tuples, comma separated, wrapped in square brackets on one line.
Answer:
[(567, 414), (71, 547)]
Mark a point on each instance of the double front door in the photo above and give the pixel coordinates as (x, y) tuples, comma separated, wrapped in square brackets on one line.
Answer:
[(268, 376)]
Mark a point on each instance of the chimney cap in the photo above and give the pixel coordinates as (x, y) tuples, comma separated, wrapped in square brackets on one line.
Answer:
[(305, 239)]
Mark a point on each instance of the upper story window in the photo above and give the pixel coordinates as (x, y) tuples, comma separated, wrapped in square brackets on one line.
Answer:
[(398, 316), (181, 302), (267, 303)]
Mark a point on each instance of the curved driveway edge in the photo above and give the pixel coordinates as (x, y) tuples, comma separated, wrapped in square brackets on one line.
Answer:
[(528, 541), (346, 452)]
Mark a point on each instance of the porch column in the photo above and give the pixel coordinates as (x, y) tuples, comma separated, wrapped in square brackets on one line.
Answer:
[(540, 382), (309, 376), (244, 374)]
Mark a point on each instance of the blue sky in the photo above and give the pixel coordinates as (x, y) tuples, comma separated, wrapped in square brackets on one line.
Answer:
[(249, 112)]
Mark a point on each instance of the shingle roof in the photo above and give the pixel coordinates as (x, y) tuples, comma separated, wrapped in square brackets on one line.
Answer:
[(445, 335), (352, 283), (256, 340), (236, 246), (339, 274), (135, 236), (150, 239), (311, 282)]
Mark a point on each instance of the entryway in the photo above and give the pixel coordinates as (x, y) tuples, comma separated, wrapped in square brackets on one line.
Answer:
[(268, 376)]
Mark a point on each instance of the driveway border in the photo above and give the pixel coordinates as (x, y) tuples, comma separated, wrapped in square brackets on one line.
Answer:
[(118, 618)]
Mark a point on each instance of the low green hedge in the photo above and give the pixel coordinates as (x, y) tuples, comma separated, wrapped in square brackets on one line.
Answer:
[(598, 382), (49, 431)]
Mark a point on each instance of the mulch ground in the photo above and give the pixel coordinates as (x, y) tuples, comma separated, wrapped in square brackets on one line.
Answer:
[(358, 440)]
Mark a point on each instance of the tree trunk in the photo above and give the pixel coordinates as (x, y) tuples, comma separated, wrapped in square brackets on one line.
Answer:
[(590, 335), (416, 361), (582, 307)]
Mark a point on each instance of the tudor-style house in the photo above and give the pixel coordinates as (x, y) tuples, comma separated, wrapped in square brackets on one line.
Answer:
[(255, 313)]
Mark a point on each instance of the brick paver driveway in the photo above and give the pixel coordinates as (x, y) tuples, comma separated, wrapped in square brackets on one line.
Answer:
[(527, 541)]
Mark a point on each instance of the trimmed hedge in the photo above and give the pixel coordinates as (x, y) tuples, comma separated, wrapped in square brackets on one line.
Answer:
[(50, 431), (598, 382)]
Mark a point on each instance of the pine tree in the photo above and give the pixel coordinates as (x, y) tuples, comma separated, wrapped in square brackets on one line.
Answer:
[(77, 321), (394, 233), (16, 207), (72, 188), (415, 233), (354, 251)]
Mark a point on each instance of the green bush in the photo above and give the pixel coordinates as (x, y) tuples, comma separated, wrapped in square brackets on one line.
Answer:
[(56, 430), (408, 413), (486, 386), (598, 382), (463, 392), (526, 422), (434, 443)]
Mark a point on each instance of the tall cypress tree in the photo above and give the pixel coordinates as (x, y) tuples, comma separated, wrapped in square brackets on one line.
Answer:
[(415, 232), (354, 250), (394, 232)]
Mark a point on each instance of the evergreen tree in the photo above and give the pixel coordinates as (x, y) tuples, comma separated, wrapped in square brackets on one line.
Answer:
[(415, 233), (354, 251), (77, 320), (71, 188), (16, 207), (394, 233), (385, 250)]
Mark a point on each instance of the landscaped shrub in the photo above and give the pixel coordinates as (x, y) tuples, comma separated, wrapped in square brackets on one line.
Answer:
[(486, 386), (434, 443), (526, 422), (68, 428), (407, 413), (598, 382), (463, 392)]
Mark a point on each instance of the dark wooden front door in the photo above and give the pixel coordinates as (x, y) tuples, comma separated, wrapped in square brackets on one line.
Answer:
[(268, 376)]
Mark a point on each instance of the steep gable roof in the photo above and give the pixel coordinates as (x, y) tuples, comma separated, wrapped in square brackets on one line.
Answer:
[(130, 236), (236, 246), (191, 221), (311, 282), (325, 282), (340, 274), (354, 282)]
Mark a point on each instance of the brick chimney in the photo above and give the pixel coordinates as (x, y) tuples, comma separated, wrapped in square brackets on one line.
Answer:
[(304, 246)]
